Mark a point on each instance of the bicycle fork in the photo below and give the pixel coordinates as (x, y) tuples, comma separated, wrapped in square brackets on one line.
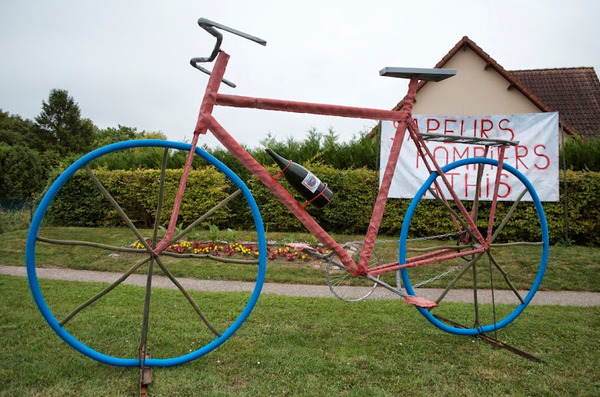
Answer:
[(208, 103)]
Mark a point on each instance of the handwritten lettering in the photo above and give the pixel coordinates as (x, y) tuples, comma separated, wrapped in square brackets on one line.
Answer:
[(536, 154)]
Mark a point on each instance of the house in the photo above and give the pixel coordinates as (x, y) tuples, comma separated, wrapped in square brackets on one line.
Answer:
[(483, 87)]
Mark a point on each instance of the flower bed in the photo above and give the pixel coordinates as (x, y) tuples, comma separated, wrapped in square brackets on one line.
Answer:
[(274, 251)]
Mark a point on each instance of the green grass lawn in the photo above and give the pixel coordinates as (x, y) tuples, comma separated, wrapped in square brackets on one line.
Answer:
[(295, 347), (289, 346)]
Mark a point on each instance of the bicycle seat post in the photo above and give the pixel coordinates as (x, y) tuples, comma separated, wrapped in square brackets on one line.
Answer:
[(411, 94), (414, 75)]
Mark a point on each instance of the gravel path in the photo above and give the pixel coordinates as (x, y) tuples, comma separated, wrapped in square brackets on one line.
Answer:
[(563, 298)]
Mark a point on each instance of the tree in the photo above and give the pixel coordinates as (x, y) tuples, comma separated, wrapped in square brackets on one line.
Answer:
[(14, 130), (112, 135), (60, 123), (21, 173), (122, 133)]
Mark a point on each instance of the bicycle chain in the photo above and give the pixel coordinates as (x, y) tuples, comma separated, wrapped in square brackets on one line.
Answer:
[(440, 275)]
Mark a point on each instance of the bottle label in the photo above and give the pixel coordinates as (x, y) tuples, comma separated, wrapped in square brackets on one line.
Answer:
[(311, 182)]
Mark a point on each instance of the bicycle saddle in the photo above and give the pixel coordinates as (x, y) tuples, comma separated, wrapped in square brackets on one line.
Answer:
[(422, 74)]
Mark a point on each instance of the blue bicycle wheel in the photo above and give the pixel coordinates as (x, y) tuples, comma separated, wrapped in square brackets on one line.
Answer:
[(181, 329), (496, 284)]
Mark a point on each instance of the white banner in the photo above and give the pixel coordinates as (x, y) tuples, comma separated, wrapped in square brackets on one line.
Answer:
[(536, 156)]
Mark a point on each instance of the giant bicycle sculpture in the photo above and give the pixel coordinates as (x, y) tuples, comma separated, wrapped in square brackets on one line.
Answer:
[(476, 252)]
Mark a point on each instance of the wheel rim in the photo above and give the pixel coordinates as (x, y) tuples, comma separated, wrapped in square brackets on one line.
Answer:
[(118, 361), (507, 313)]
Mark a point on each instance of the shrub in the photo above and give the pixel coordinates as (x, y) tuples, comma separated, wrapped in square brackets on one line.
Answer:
[(11, 219), (354, 192), (79, 203), (583, 191), (582, 155), (21, 172)]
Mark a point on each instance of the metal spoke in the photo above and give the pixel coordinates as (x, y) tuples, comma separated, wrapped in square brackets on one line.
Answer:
[(475, 300), (205, 216), (88, 244), (138, 251), (508, 215), (459, 276), (505, 275), (118, 208), (161, 189), (439, 247), (187, 296), (454, 214), (104, 291), (212, 257), (517, 243), (475, 209), (342, 278), (143, 349), (493, 294)]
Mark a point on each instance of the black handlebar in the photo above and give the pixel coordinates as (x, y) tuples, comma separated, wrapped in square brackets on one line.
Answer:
[(211, 27), (208, 25)]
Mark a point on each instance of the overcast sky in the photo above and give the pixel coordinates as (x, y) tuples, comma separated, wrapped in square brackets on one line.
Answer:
[(126, 61)]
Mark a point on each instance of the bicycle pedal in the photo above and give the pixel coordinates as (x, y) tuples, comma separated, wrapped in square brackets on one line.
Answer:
[(418, 301)]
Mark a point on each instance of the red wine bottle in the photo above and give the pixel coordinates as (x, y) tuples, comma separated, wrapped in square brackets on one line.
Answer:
[(305, 182)]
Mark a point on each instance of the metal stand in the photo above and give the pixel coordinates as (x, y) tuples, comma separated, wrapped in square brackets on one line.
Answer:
[(495, 342), (145, 377)]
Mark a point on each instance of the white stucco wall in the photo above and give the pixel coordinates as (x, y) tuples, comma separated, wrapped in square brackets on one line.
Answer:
[(474, 91)]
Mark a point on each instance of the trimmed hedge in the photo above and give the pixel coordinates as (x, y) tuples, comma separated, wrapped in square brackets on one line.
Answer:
[(583, 192), (79, 203), (354, 192)]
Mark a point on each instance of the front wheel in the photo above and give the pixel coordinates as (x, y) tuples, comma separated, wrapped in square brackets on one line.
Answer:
[(117, 324), (509, 272)]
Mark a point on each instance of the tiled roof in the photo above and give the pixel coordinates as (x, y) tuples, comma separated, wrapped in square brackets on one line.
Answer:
[(573, 92)]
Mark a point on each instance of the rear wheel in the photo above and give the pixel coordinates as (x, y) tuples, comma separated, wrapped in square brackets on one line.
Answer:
[(510, 271)]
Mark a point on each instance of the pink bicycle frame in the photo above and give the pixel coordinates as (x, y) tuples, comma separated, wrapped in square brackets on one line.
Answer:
[(206, 122)]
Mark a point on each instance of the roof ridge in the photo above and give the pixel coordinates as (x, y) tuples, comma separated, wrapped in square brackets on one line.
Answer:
[(550, 69)]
